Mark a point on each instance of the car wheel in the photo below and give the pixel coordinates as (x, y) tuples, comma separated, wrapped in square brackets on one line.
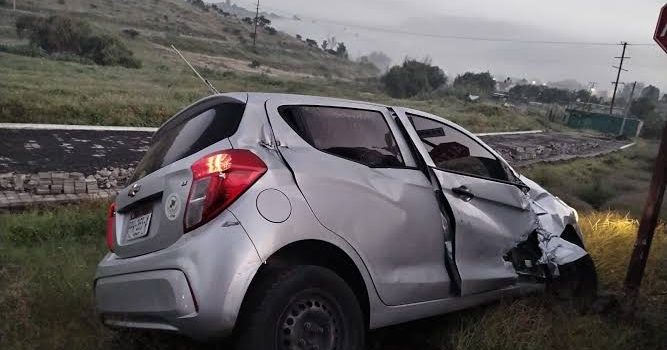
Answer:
[(302, 307), (577, 282)]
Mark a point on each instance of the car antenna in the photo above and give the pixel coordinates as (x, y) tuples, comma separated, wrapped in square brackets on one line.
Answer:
[(206, 82)]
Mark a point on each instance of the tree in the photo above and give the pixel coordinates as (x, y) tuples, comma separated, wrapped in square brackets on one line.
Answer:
[(583, 95), (475, 83), (341, 50), (263, 21), (378, 59), (650, 92), (543, 94), (412, 78), (643, 107), (325, 45)]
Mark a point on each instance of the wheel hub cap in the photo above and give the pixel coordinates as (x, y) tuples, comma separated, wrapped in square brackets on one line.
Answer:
[(308, 324)]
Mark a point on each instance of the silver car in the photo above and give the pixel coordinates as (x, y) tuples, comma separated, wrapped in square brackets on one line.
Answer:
[(299, 222)]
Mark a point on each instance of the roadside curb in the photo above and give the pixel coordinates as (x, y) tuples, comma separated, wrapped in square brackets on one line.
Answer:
[(24, 126)]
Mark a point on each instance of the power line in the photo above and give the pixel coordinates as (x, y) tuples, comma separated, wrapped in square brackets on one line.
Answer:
[(459, 37)]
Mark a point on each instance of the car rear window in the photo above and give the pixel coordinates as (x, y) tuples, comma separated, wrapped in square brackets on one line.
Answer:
[(189, 132)]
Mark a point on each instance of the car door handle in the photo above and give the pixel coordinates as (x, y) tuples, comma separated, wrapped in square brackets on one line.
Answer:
[(463, 191)]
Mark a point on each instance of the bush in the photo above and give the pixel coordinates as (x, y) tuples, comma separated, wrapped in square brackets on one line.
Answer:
[(64, 35), (132, 33), (109, 51), (475, 83), (413, 78), (254, 64), (271, 30)]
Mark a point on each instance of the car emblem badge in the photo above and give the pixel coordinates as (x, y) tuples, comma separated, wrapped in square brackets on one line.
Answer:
[(172, 207), (135, 189)]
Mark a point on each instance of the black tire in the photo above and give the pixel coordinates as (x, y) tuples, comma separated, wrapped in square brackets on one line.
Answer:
[(301, 307), (577, 282)]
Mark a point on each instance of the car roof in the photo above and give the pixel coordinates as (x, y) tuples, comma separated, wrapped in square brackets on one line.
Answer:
[(271, 95)]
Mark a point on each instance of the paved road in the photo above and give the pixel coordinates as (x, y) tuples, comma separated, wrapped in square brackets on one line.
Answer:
[(31, 150)]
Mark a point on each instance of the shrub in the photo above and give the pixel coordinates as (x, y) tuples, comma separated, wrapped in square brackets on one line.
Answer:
[(54, 34), (109, 51), (132, 33), (311, 43), (254, 64), (475, 83), (413, 78), (63, 35)]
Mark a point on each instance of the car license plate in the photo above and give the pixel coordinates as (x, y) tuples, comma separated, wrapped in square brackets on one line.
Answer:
[(138, 227)]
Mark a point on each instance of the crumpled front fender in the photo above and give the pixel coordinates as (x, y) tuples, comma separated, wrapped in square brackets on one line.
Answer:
[(552, 216)]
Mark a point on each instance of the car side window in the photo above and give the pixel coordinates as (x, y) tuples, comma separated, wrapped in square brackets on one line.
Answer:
[(454, 151), (362, 136)]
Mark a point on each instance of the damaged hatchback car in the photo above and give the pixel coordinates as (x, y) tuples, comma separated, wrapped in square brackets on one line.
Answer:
[(299, 222)]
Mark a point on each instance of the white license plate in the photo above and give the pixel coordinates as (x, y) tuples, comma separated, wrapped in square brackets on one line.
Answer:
[(138, 227)]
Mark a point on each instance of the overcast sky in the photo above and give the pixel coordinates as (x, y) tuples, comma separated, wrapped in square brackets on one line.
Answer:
[(563, 20)]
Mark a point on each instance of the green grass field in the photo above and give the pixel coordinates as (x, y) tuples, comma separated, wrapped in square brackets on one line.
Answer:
[(48, 258), (618, 181), (44, 90)]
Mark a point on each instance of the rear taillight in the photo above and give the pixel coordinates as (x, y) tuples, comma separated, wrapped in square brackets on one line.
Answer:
[(217, 180), (111, 227)]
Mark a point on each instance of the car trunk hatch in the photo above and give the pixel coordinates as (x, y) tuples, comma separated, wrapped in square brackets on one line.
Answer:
[(150, 211)]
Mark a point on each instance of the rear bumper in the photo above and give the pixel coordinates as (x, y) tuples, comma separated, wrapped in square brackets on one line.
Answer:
[(194, 287)]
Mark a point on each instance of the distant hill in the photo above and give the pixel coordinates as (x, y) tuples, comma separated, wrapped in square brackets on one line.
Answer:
[(241, 12), (196, 29), (35, 87)]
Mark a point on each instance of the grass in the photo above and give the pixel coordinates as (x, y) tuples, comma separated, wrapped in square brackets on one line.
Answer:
[(46, 297), (616, 181), (46, 90)]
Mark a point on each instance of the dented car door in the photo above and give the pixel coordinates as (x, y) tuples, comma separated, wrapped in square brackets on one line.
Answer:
[(357, 173), (490, 211)]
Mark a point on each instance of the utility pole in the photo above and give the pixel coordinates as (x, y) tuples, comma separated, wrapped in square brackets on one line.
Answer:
[(632, 94), (14, 5), (618, 76), (647, 225), (254, 36)]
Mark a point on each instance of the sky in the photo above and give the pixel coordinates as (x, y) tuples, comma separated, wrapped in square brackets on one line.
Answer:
[(355, 22)]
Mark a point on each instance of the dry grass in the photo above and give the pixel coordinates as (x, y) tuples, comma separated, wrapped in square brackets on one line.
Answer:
[(46, 300)]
